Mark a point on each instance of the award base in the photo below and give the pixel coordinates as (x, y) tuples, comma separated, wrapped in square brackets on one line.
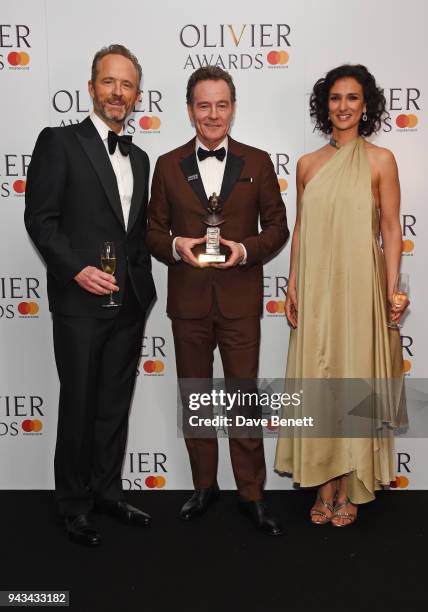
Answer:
[(211, 258)]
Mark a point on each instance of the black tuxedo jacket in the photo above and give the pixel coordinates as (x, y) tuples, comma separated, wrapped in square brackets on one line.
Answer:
[(72, 206)]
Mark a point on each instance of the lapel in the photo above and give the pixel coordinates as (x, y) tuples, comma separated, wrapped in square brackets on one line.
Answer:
[(139, 186), (232, 171), (189, 167), (94, 148)]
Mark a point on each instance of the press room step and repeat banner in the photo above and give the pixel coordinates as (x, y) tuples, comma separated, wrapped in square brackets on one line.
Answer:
[(275, 51)]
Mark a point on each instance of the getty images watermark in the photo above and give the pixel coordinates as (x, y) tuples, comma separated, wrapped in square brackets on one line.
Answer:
[(234, 402), (329, 408)]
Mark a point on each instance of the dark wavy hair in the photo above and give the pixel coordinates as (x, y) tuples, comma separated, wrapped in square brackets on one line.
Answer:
[(373, 98)]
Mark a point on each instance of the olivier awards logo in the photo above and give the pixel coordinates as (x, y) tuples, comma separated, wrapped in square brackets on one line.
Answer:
[(144, 470), (247, 46), (403, 104), (408, 353), (17, 297), (402, 479), (409, 235), (274, 295), (13, 172), (150, 103), (280, 162), (73, 106), (14, 45), (153, 356), (21, 415)]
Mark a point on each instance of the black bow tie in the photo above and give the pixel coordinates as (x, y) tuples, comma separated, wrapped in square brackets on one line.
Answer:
[(220, 154), (124, 143)]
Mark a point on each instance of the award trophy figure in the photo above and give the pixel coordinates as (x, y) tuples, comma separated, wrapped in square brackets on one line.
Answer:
[(212, 250)]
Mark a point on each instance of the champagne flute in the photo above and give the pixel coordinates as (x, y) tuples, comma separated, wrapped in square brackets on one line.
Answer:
[(108, 265), (399, 295)]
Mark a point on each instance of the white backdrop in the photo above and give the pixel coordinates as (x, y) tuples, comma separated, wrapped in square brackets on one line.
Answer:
[(275, 51)]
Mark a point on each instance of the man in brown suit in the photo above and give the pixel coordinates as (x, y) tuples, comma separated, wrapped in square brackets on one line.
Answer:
[(219, 304)]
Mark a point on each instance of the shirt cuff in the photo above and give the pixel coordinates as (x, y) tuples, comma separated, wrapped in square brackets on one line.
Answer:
[(174, 251), (244, 261)]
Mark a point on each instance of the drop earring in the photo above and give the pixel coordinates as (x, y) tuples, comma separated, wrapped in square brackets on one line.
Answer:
[(364, 117)]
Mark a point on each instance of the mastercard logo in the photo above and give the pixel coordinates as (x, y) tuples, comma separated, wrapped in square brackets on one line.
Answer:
[(155, 482), (18, 58), (19, 186), (407, 246), (28, 308), (406, 121), (401, 482), (275, 58), (283, 184), (32, 426), (150, 123), (275, 307), (407, 366), (153, 366)]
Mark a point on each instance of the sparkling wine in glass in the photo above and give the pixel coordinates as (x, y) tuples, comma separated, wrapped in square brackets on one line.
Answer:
[(399, 295), (108, 265)]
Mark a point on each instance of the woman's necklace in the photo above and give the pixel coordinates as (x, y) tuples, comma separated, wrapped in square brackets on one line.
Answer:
[(333, 143)]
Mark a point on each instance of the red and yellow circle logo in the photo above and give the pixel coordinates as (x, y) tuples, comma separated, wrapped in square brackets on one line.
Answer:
[(28, 308), (155, 482), (19, 186), (18, 58), (32, 426), (401, 482), (407, 246), (276, 58), (407, 366), (150, 123), (406, 121), (283, 185), (275, 307), (153, 366)]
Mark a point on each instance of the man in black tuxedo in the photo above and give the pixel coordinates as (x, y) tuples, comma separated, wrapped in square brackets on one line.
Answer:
[(88, 184)]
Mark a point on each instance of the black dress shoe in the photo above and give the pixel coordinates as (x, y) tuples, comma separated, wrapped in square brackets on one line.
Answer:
[(81, 531), (199, 502), (125, 513), (262, 519)]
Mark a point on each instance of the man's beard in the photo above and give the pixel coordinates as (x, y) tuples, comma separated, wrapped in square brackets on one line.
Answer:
[(115, 118)]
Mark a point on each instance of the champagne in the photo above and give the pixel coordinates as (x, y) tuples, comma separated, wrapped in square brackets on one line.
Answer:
[(108, 264), (398, 298), (399, 295)]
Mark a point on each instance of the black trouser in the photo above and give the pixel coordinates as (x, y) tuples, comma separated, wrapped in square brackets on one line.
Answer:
[(96, 361)]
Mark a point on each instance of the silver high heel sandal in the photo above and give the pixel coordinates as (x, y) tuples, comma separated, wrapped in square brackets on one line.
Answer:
[(314, 512)]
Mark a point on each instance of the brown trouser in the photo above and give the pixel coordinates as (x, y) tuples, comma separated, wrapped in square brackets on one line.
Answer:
[(239, 342)]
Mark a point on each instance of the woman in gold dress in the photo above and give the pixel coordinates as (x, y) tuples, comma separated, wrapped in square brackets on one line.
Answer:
[(340, 289)]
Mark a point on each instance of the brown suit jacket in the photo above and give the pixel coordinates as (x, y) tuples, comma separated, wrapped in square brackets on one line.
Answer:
[(249, 194)]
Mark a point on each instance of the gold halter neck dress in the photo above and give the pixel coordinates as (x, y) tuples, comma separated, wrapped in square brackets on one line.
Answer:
[(342, 330)]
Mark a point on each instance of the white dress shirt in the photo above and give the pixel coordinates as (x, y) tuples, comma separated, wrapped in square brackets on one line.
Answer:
[(121, 167), (211, 171)]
